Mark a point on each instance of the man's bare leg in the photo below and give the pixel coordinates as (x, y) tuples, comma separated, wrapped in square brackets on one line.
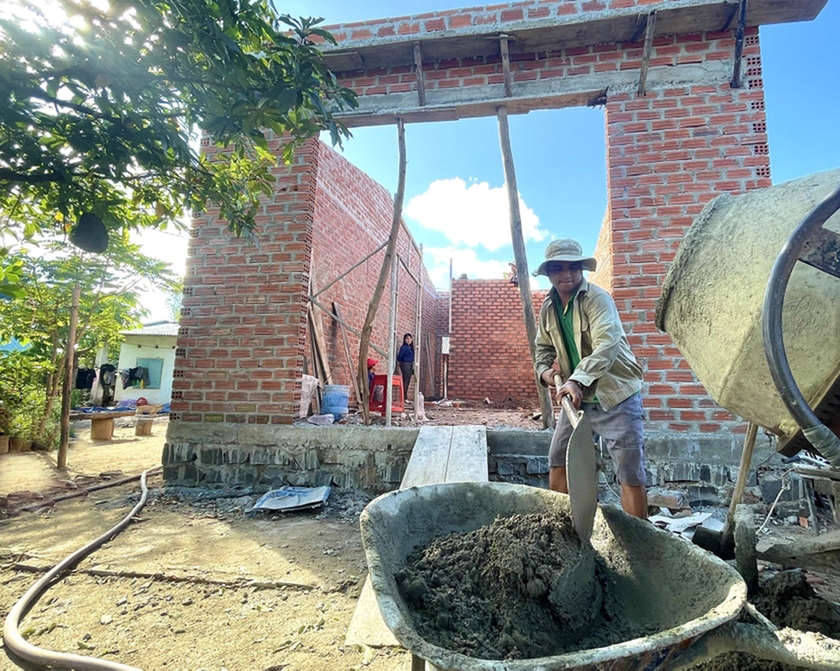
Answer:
[(557, 480), (634, 500)]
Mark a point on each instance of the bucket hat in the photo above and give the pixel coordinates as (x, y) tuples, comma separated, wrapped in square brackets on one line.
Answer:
[(372, 362), (566, 251)]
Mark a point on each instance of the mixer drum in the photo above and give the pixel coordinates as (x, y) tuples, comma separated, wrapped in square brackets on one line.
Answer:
[(712, 298)]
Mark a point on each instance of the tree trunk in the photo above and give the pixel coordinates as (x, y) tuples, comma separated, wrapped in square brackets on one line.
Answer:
[(68, 379), (521, 259), (383, 275)]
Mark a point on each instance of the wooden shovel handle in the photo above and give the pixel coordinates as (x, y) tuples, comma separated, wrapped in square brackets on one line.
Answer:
[(571, 414)]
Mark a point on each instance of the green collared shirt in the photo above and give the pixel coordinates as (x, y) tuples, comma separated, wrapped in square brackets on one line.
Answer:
[(607, 365), (566, 319)]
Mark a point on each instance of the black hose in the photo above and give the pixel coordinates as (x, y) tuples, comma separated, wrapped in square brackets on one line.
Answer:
[(19, 647), (820, 436)]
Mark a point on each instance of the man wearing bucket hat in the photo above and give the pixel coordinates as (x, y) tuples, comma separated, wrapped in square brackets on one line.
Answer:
[(580, 329)]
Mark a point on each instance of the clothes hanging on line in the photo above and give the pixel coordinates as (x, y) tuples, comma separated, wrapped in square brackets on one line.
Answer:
[(85, 378), (107, 375), (137, 377)]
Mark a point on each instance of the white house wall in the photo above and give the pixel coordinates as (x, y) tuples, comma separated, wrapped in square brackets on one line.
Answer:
[(147, 347)]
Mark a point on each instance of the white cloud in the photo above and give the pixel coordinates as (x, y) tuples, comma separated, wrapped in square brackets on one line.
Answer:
[(471, 215)]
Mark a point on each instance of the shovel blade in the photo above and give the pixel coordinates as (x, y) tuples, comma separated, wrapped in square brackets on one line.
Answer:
[(582, 477)]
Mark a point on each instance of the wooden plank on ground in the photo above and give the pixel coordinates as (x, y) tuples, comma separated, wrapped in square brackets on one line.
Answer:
[(429, 457), (367, 626), (467, 455)]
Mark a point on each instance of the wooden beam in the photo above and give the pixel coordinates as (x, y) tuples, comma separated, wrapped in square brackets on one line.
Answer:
[(521, 259), (318, 338), (356, 332), (503, 44), (648, 49), (379, 289), (347, 272), (739, 44), (350, 367), (418, 71)]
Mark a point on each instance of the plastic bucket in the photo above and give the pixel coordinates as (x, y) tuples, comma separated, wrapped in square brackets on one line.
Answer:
[(336, 398)]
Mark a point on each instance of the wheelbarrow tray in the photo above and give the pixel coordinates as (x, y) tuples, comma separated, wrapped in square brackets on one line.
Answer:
[(662, 580)]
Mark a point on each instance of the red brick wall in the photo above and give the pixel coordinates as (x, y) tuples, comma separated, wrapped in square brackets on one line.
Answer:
[(670, 153), (489, 356), (429, 23), (243, 318), (353, 217)]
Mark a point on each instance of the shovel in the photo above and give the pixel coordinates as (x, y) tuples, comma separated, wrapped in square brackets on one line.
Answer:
[(581, 467)]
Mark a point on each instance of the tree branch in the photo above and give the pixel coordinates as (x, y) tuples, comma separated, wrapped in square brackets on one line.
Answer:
[(7, 175)]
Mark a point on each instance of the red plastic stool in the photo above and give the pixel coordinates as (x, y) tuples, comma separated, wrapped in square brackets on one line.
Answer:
[(377, 393)]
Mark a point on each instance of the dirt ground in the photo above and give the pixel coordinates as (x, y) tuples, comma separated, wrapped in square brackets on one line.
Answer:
[(193, 583)]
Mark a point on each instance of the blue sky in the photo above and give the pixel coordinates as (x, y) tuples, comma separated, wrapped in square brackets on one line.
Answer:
[(455, 199)]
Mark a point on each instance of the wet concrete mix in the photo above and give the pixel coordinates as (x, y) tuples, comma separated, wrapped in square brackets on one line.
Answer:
[(787, 600), (525, 586)]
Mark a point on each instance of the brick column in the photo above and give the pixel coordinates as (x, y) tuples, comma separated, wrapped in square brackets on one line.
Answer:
[(669, 153), (243, 320)]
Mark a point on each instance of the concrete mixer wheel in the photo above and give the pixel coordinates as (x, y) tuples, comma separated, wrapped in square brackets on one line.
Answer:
[(820, 248)]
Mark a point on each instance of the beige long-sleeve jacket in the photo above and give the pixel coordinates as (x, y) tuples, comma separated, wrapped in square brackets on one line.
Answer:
[(607, 366)]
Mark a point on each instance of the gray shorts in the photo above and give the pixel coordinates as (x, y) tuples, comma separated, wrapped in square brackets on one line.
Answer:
[(622, 430)]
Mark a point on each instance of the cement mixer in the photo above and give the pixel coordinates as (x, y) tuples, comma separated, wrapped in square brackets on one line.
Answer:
[(752, 300)]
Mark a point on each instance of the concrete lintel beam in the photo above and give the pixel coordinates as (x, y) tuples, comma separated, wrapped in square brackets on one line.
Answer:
[(581, 90)]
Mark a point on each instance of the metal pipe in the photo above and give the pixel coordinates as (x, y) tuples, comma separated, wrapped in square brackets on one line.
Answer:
[(820, 436)]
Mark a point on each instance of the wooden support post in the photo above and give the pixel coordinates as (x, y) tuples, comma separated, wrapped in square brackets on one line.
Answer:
[(418, 71), (521, 260), (739, 44), (418, 325), (320, 343), (649, 30), (69, 364), (386, 265), (392, 329), (350, 367), (504, 46), (430, 364)]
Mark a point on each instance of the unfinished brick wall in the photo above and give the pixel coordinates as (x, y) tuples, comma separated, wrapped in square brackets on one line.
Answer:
[(352, 218), (243, 317), (428, 24), (670, 153), (244, 337), (489, 353)]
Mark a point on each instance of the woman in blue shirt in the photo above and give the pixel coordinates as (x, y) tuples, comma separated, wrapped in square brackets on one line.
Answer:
[(405, 361)]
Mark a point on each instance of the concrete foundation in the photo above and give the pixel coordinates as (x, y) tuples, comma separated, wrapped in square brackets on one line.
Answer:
[(374, 458)]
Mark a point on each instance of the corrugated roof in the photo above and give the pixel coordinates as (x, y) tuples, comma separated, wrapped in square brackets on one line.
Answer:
[(155, 329)]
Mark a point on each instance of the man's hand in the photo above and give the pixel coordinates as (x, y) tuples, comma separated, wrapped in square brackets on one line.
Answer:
[(548, 377), (573, 390)]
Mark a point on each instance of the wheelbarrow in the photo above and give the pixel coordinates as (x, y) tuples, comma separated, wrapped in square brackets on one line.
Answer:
[(689, 597)]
